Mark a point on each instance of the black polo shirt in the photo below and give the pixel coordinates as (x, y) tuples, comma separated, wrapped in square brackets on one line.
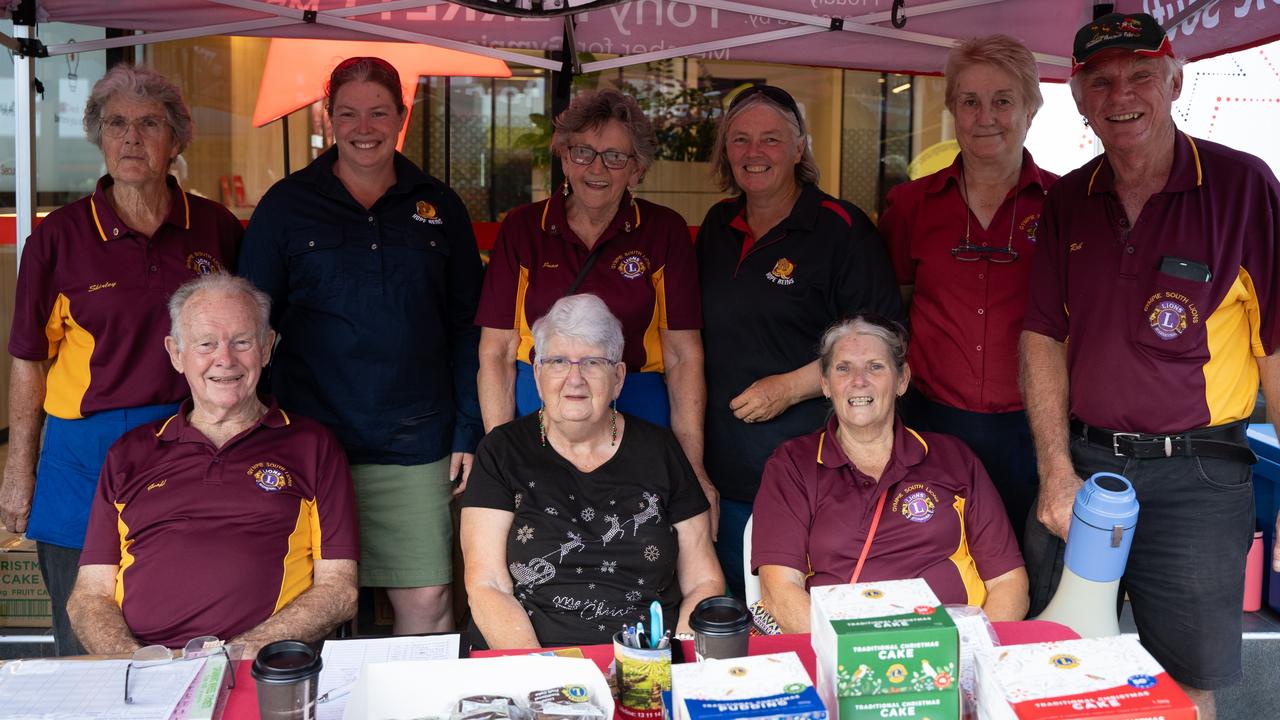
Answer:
[(764, 313), (374, 309)]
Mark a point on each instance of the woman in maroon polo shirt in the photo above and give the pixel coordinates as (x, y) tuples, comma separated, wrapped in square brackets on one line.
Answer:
[(961, 241), (867, 498), (592, 236)]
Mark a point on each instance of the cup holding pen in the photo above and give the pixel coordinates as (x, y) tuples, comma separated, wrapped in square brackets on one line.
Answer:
[(643, 675)]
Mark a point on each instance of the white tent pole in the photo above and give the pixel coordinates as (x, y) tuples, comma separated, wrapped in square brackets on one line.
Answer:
[(24, 139), (640, 58)]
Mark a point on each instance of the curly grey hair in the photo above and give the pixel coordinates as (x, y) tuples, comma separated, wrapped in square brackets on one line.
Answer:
[(592, 110), (584, 318), (138, 82)]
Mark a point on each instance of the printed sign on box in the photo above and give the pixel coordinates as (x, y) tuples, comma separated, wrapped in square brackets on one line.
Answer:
[(24, 602)]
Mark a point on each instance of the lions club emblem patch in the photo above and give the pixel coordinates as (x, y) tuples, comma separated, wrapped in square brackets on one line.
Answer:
[(1168, 319), (631, 264), (202, 263), (782, 272), (270, 476), (916, 502)]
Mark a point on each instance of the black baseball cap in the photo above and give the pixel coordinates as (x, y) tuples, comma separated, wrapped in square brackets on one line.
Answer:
[(1138, 32), (772, 92)]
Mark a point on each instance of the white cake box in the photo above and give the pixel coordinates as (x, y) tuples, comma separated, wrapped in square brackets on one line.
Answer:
[(760, 687), (429, 688), (1112, 678)]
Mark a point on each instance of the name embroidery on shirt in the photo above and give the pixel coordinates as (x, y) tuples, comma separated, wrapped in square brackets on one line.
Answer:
[(202, 263), (158, 484), (425, 212), (270, 476), (782, 272), (101, 286), (631, 264), (917, 503)]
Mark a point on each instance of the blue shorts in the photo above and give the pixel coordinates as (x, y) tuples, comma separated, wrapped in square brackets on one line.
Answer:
[(644, 395), (70, 461)]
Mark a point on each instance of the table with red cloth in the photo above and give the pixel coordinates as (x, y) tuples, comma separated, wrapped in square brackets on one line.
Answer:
[(243, 702)]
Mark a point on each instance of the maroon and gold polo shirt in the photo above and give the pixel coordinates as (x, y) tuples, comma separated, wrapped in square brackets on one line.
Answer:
[(213, 541), (942, 519), (965, 316), (646, 274), (93, 295), (1164, 320)]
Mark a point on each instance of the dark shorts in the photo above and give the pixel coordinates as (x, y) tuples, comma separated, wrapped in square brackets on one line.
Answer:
[(1185, 575)]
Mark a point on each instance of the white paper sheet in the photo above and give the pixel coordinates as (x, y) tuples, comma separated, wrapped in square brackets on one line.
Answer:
[(92, 689), (344, 658)]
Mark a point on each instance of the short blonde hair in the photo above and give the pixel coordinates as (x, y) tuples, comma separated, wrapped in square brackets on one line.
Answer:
[(1002, 52)]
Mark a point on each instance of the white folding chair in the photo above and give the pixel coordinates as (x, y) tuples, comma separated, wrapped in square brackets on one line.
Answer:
[(750, 582)]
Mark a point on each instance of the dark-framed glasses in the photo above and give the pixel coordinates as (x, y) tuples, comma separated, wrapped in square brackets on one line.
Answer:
[(117, 126), (592, 368), (968, 252), (585, 155), (157, 655)]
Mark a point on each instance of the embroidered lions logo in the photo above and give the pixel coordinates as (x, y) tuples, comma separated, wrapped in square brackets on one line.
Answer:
[(202, 263), (631, 264), (426, 210), (270, 476), (1168, 319)]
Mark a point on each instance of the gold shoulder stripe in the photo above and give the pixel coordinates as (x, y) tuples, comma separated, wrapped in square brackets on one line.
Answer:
[(546, 207), (922, 442), (821, 438), (186, 209), (635, 205), (1195, 153), (93, 209), (1094, 176), (285, 415), (165, 425)]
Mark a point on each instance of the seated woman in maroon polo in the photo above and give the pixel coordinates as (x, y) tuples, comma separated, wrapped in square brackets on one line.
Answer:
[(866, 486)]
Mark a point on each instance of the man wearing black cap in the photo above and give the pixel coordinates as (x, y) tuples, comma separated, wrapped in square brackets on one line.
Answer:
[(1159, 262)]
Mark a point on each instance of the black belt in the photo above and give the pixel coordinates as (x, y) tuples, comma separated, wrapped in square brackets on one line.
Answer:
[(1226, 442)]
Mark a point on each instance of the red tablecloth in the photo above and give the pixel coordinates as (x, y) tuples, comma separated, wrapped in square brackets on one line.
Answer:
[(243, 702)]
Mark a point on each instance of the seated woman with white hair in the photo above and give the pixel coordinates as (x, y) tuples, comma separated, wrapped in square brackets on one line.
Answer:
[(577, 517)]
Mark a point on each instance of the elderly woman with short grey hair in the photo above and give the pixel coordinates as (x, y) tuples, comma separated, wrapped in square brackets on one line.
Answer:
[(91, 315), (592, 236), (578, 516), (868, 498), (777, 264)]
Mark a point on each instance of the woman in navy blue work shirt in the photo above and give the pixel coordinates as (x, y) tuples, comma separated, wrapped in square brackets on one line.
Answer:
[(374, 277)]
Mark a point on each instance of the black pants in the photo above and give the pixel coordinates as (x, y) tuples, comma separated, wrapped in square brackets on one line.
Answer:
[(59, 566), (1185, 575)]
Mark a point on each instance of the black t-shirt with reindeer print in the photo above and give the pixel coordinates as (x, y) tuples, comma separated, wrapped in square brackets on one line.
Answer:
[(588, 552)]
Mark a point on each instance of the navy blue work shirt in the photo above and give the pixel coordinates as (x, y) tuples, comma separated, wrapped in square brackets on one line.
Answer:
[(375, 310)]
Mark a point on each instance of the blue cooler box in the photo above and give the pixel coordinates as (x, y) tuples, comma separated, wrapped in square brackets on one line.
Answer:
[(1266, 496)]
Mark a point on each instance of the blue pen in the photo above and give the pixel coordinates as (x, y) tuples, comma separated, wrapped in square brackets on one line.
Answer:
[(641, 638), (655, 623)]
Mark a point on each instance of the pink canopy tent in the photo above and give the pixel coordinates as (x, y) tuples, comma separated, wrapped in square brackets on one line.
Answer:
[(856, 34)]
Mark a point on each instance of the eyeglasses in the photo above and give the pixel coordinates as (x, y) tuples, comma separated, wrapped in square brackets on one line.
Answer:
[(966, 251), (585, 155), (157, 655), (592, 368), (776, 94), (117, 126)]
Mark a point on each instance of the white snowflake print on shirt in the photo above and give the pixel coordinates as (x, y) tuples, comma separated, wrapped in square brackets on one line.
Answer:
[(524, 534), (608, 566), (633, 596), (651, 553), (588, 514)]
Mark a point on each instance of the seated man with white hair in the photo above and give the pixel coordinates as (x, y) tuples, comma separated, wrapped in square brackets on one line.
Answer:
[(230, 518)]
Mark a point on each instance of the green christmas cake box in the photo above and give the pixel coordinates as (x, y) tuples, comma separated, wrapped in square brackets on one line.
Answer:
[(937, 705), (881, 638)]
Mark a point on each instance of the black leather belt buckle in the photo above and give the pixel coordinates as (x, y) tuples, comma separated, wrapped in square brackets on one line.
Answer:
[(1115, 442)]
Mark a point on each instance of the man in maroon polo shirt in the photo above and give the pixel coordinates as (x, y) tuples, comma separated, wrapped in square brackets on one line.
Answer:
[(1159, 263), (230, 518)]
